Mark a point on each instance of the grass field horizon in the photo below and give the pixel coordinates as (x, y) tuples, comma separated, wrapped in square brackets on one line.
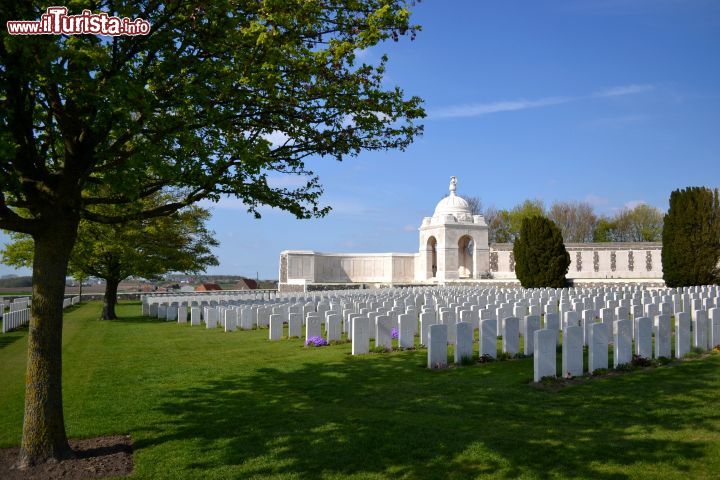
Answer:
[(209, 404)]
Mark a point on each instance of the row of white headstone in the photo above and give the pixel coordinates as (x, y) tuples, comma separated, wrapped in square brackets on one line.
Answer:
[(15, 319), (500, 306), (653, 339), (591, 315), (17, 304), (70, 301), (19, 312)]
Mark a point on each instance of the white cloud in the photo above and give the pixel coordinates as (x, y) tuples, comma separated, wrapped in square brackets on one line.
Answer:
[(276, 138), (634, 203), (410, 228), (479, 109), (623, 90)]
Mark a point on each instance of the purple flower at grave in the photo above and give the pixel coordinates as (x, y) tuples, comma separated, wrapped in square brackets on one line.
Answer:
[(315, 342), (394, 332)]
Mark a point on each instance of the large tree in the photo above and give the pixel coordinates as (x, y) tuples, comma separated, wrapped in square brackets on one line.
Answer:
[(541, 259), (504, 225), (604, 230), (642, 223), (146, 248), (691, 238), (576, 220), (189, 109)]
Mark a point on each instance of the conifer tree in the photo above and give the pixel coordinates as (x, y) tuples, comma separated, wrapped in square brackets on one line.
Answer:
[(541, 259), (691, 238)]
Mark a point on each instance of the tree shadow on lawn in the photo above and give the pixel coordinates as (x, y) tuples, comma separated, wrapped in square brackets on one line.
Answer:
[(8, 338), (138, 319), (389, 416)]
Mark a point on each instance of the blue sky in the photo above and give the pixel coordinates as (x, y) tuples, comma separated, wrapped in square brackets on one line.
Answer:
[(613, 102)]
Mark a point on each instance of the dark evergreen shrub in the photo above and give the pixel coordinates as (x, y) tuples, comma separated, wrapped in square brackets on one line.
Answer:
[(541, 259), (691, 238)]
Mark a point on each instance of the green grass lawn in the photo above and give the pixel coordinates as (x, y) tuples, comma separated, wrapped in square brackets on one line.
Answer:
[(208, 404)]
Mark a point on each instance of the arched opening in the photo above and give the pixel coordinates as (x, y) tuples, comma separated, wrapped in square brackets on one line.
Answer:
[(466, 246), (431, 257)]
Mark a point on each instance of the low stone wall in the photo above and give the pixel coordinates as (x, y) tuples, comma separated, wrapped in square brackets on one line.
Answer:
[(297, 266)]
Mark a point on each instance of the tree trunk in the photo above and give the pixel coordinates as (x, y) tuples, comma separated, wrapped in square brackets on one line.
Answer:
[(44, 425), (110, 300)]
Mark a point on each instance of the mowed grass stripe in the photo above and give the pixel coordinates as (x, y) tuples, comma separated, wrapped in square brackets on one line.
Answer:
[(206, 404)]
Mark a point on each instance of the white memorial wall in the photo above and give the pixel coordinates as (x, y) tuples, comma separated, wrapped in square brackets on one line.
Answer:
[(453, 246)]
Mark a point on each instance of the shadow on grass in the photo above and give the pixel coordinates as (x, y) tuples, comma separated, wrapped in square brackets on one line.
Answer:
[(387, 416), (139, 320), (6, 340)]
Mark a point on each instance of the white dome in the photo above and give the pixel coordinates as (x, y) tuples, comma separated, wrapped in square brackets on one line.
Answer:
[(453, 205)]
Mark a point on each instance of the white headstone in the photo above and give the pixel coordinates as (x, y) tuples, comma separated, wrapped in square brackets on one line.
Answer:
[(212, 317), (276, 326), (622, 342), (682, 334), (182, 314), (666, 308), (448, 318), (588, 318), (248, 318), (662, 336), (572, 351), (552, 322), (511, 335), (532, 323), (598, 347), (437, 346), (195, 316), (643, 337), (230, 320), (464, 342), (406, 330), (714, 319), (360, 339), (426, 319), (607, 315), (334, 327), (571, 318), (383, 331), (488, 337), (544, 362), (312, 326), (700, 329), (294, 325)]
